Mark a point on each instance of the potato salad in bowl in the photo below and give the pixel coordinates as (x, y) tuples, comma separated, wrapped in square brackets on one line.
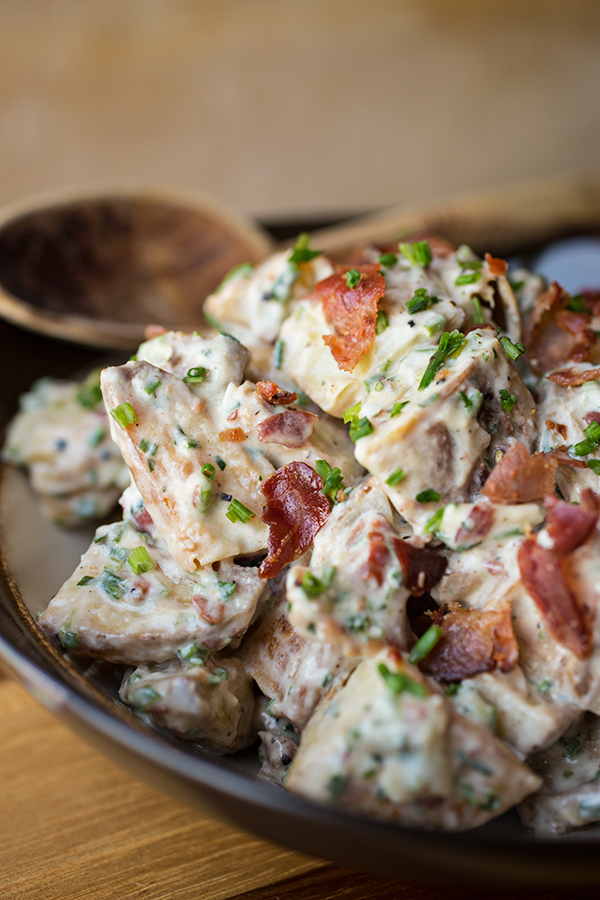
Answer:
[(359, 531)]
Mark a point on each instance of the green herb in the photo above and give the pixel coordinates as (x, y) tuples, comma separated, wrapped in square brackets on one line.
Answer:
[(594, 465), (152, 386), (388, 259), (195, 375), (301, 252), (382, 322), (97, 436), (208, 471), (425, 644), (513, 351), (352, 413), (353, 278), (227, 589), (144, 445), (432, 525), (204, 498), (450, 343), (468, 403), (85, 580), (124, 414), (220, 462), (469, 263), (314, 586), (360, 428), (237, 512), (144, 698), (399, 683), (478, 317), (278, 353), (577, 303), (467, 278), (192, 654), (507, 400), (68, 639), (417, 253), (436, 324), (337, 785), (241, 271), (571, 743), (333, 480), (217, 677), (193, 445), (282, 287), (452, 689), (112, 584), (420, 301), (139, 560), (592, 433), (89, 394), (398, 407), (516, 285), (428, 496), (395, 478), (151, 464)]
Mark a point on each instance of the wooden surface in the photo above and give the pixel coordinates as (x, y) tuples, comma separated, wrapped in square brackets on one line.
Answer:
[(74, 826)]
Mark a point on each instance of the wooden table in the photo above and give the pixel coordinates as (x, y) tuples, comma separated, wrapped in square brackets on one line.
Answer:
[(74, 826)]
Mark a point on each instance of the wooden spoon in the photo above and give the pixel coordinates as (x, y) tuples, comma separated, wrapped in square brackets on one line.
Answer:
[(97, 265)]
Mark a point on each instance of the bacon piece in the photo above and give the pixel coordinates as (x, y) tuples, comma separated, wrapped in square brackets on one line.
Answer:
[(545, 581), (520, 477), (555, 334), (296, 509), (422, 569), (561, 455), (558, 427), (573, 377), (234, 435), (496, 266), (378, 558), (473, 641), (477, 525), (143, 520), (210, 609), (568, 525), (291, 428), (351, 312), (272, 393)]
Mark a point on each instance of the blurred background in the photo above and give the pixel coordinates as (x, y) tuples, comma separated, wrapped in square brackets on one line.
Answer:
[(313, 108)]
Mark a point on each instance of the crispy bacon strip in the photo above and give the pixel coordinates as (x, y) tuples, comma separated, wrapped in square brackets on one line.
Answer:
[(496, 266), (520, 477), (569, 526), (272, 393), (473, 641), (295, 510), (477, 525), (573, 377), (555, 334), (351, 312), (544, 579), (291, 428), (379, 555), (422, 569)]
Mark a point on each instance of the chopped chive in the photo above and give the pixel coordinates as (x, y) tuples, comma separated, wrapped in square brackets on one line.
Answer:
[(470, 263), (507, 400), (124, 414), (85, 580), (112, 584), (360, 428), (151, 464), (144, 445), (593, 431), (432, 525), (398, 407), (152, 386), (478, 317), (220, 462), (237, 512), (388, 259), (192, 654), (428, 496), (333, 479), (301, 252), (451, 343), (227, 589), (513, 351), (278, 353), (217, 676), (425, 644), (382, 322), (417, 253), (577, 303), (97, 436), (144, 698), (193, 445), (314, 586), (195, 375), (208, 470), (436, 324), (353, 277), (89, 394), (420, 301), (468, 403), (337, 785), (467, 278), (594, 465), (395, 478), (281, 290), (139, 560), (351, 413), (399, 683), (68, 639)]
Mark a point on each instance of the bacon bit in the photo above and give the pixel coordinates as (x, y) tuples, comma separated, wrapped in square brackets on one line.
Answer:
[(143, 520), (235, 435), (296, 509), (591, 417), (473, 641), (477, 525), (546, 583), (232, 415), (556, 426), (272, 393), (574, 377), (569, 526), (378, 558), (422, 569), (555, 334), (351, 312), (211, 610), (520, 477), (496, 266), (152, 331), (561, 455), (292, 428)]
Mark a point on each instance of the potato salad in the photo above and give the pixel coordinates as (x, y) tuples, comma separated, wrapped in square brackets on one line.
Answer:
[(359, 531)]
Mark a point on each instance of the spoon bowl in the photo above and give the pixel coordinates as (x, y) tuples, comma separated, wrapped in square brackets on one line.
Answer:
[(97, 266)]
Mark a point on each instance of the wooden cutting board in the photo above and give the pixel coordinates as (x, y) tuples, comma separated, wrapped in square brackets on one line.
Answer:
[(74, 826)]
